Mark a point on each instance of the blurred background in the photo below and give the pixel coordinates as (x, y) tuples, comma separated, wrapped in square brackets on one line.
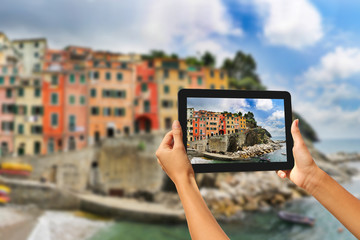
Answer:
[(88, 89)]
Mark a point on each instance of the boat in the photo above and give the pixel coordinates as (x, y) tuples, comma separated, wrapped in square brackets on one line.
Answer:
[(296, 218), (4, 189), (16, 166), (4, 199), (283, 153), (264, 159)]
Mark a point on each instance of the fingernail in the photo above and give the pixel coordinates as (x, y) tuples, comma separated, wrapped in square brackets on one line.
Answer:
[(297, 122), (176, 124), (282, 175)]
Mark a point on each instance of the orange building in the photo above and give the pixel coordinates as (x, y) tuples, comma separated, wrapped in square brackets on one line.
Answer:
[(146, 98), (111, 88), (212, 122), (53, 82), (196, 78)]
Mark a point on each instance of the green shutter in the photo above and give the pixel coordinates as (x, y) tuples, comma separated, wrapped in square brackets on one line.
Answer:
[(1, 80)]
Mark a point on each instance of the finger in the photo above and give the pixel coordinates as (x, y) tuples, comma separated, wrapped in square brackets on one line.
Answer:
[(167, 140), (295, 132), (177, 133), (281, 173)]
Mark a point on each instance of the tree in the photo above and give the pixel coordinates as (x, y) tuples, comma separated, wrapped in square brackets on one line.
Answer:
[(242, 72), (193, 61), (305, 128), (240, 114), (174, 56), (208, 59)]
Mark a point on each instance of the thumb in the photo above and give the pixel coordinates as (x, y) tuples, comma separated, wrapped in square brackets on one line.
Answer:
[(177, 133), (295, 132)]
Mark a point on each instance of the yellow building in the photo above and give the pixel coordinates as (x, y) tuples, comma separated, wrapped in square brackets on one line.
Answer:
[(28, 125), (171, 76), (216, 78)]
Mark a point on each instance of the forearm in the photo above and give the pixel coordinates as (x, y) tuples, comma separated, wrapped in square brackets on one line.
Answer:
[(201, 223), (343, 205)]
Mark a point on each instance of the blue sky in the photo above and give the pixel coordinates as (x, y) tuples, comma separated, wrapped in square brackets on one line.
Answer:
[(269, 113), (309, 48)]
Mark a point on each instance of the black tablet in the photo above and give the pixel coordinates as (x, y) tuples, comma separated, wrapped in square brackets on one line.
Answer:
[(233, 130)]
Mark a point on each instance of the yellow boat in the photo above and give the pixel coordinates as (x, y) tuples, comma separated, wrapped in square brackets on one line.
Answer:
[(16, 166), (4, 199), (4, 189)]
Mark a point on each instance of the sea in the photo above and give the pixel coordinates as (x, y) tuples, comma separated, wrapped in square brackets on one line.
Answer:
[(258, 225)]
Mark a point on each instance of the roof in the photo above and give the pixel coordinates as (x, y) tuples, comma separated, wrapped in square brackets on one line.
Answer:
[(30, 40)]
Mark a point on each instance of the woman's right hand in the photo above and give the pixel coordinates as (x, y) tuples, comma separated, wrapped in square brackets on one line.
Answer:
[(305, 172), (172, 156)]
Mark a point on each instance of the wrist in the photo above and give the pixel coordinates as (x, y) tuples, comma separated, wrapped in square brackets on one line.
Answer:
[(185, 179), (314, 181)]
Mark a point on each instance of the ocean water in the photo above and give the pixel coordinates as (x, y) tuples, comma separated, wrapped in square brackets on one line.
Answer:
[(257, 225), (336, 145)]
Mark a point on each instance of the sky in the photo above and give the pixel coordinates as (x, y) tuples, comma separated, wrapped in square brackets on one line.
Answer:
[(309, 48), (268, 113)]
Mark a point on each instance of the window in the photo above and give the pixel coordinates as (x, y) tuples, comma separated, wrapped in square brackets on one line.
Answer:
[(72, 123), (36, 44), (222, 75), (136, 102), (96, 75), (93, 92), (106, 93), (37, 92), (146, 106), (37, 110), (54, 119), (119, 76), (20, 129), (167, 103), (12, 80), (151, 78), (168, 123), (4, 69), (54, 80), (108, 76), (54, 98), (108, 64), (36, 54), (72, 78), (166, 73), (139, 78), (181, 75), (20, 92), (72, 99), (119, 112), (212, 86), (123, 65), (82, 79), (21, 45), (106, 111), (36, 129), (8, 108), (37, 82), (94, 111), (144, 87), (7, 126), (8, 93), (82, 100), (15, 70), (212, 73), (166, 89), (1, 80), (199, 80)]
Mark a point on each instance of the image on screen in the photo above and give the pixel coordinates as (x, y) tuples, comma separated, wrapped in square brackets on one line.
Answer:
[(235, 130)]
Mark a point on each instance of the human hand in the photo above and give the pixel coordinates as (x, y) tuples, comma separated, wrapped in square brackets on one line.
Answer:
[(305, 171), (172, 156)]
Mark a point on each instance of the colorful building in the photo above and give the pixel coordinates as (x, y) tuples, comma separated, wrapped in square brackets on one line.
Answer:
[(75, 99), (10, 67), (32, 51), (216, 78), (111, 97), (53, 98), (196, 78), (28, 124), (146, 98), (171, 76), (212, 122)]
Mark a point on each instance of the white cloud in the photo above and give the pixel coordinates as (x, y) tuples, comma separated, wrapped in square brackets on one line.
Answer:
[(277, 115), (338, 64), (295, 24), (264, 104)]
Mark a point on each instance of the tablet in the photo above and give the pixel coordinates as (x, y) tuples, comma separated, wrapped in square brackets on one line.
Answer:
[(233, 130)]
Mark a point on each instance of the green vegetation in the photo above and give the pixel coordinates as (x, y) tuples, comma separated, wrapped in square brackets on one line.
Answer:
[(250, 120), (141, 146), (306, 130)]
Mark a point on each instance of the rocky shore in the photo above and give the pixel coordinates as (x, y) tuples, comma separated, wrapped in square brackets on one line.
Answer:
[(257, 150), (228, 195)]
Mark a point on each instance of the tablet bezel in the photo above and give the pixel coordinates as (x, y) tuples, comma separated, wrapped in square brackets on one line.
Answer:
[(183, 94)]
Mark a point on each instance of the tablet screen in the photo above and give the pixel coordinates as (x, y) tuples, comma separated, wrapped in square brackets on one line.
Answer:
[(235, 130)]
